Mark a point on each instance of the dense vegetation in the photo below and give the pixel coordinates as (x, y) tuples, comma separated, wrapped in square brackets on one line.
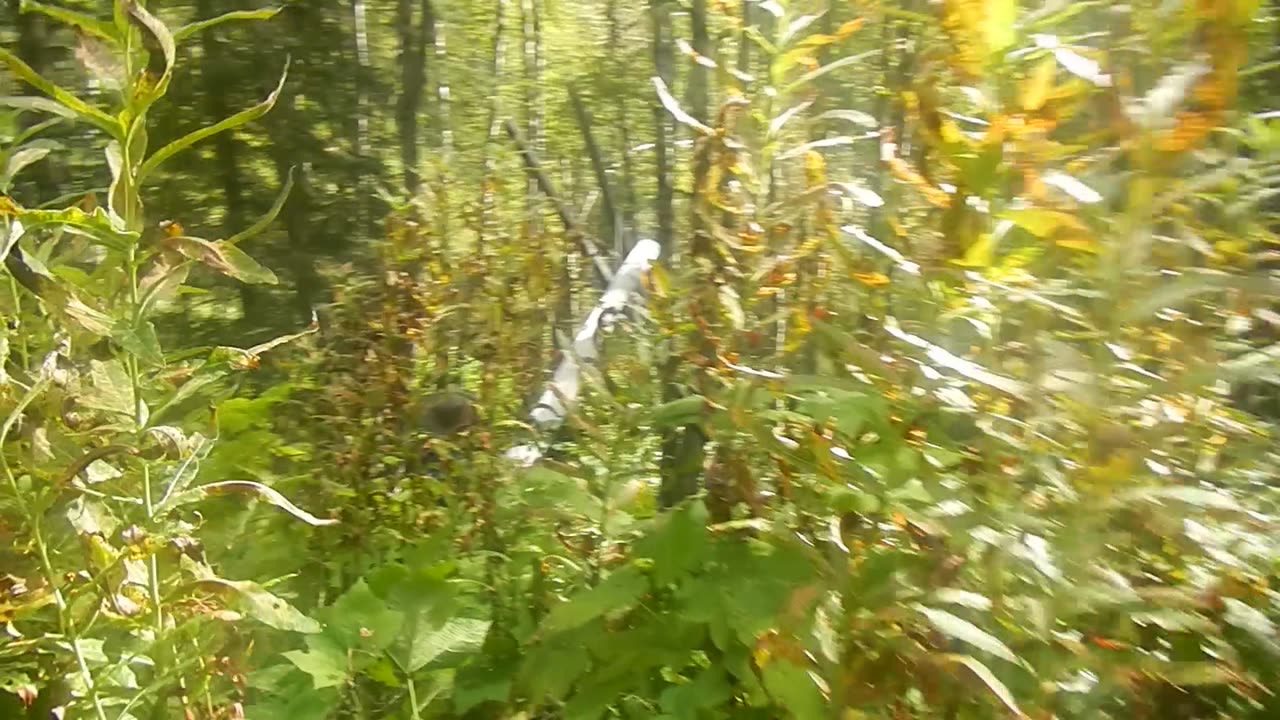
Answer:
[(671, 359)]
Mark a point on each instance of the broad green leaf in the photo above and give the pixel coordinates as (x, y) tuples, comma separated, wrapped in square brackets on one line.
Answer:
[(265, 221), (960, 629), (326, 666), (231, 123), (89, 24), (361, 619), (226, 259), (619, 591), (263, 606), (140, 340), (110, 388), (709, 690), (103, 121), (791, 687), (190, 29), (457, 635), (988, 678), (678, 542)]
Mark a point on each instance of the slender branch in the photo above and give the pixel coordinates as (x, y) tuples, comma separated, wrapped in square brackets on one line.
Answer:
[(583, 115)]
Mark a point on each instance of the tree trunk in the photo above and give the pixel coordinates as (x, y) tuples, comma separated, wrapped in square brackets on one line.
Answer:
[(413, 58), (663, 63), (360, 140), (698, 74)]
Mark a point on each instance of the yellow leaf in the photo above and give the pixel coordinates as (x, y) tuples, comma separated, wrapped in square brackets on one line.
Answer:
[(850, 28), (979, 253), (872, 279), (1035, 90)]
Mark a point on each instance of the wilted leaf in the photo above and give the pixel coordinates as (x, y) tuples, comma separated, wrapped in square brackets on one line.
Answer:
[(226, 259), (266, 493)]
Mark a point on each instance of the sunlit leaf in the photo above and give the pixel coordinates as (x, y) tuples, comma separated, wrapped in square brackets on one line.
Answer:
[(1071, 186), (1035, 89), (87, 23), (190, 29), (1044, 223), (265, 221), (231, 123)]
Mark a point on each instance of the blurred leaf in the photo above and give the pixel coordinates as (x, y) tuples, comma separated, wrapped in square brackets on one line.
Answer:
[(265, 221), (677, 544), (326, 666), (960, 629), (270, 495), (32, 102), (1044, 223), (792, 687), (999, 24), (191, 29), (669, 102), (261, 605), (103, 121), (461, 635), (24, 156), (361, 619), (1197, 496), (988, 678), (620, 591), (91, 25), (854, 116)]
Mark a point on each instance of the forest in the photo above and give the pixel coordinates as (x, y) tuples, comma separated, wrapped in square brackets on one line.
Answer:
[(639, 359)]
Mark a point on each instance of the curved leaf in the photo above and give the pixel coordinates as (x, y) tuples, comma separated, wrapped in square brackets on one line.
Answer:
[(270, 495), (164, 38), (265, 221), (988, 678), (235, 121), (960, 629), (226, 259), (188, 30)]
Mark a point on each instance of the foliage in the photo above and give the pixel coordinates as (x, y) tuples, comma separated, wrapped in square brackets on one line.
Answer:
[(951, 396)]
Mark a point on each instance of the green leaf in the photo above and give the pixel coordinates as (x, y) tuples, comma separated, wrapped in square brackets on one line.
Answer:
[(619, 591), (960, 629), (678, 544), (361, 619), (96, 225), (791, 687), (140, 341), (188, 30), (91, 25), (235, 121), (265, 221), (226, 259), (988, 678), (269, 609), (82, 109), (38, 104), (326, 665), (24, 157), (111, 390), (677, 413), (460, 635)]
